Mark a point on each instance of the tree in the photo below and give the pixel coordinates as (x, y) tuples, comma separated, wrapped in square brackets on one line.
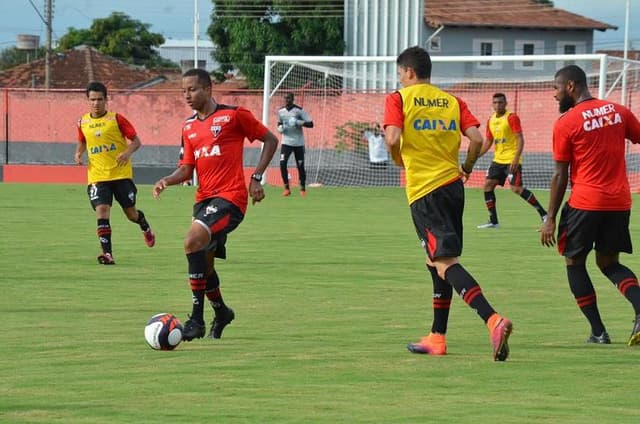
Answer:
[(245, 31), (13, 56), (119, 36)]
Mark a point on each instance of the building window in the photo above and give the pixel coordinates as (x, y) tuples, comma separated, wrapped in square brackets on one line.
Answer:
[(434, 45), (529, 48), (487, 47), (570, 47)]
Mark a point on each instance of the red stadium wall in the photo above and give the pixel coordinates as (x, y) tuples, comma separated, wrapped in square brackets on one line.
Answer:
[(28, 116)]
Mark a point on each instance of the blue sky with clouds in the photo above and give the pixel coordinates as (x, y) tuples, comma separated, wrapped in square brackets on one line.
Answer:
[(174, 19)]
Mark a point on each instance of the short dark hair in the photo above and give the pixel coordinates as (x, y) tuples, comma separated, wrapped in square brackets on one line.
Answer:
[(96, 86), (573, 73), (501, 95), (204, 79), (417, 59)]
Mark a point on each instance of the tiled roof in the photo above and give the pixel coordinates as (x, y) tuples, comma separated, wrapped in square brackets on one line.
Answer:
[(74, 68), (505, 14)]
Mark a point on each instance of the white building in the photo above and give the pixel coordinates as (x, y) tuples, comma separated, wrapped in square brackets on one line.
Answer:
[(182, 52)]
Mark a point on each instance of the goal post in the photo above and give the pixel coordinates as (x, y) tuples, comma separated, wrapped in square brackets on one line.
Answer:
[(344, 95)]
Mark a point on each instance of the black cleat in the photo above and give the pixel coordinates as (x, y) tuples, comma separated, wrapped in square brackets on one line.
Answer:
[(221, 320), (634, 339), (193, 330), (601, 339), (106, 259)]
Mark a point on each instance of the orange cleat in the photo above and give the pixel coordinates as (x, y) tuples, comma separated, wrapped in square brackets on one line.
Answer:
[(499, 331), (433, 344)]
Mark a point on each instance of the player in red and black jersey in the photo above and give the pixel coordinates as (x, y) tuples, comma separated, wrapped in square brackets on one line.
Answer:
[(589, 149), (212, 145)]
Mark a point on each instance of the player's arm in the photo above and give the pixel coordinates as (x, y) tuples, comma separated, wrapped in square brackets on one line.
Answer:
[(519, 149), (81, 147), (132, 146), (269, 147), (392, 135), (559, 181), (488, 140), (134, 143), (393, 123), (514, 123), (469, 127), (305, 120), (473, 152), (182, 173)]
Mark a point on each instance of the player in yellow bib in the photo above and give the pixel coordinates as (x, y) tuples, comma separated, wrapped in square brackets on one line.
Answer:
[(109, 140), (505, 132), (423, 127)]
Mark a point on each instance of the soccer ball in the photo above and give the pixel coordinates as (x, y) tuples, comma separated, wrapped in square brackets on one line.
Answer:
[(292, 122), (163, 332)]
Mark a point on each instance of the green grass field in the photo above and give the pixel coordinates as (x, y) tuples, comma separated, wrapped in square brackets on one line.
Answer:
[(327, 291)]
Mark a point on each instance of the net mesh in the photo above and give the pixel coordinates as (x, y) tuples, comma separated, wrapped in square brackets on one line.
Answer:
[(346, 101)]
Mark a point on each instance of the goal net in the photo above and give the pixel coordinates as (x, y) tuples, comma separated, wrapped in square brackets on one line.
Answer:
[(345, 98)]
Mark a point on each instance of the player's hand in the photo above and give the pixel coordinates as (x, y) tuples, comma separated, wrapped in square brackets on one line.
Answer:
[(159, 187), (256, 191), (78, 158), (464, 174), (513, 168), (547, 231), (122, 158)]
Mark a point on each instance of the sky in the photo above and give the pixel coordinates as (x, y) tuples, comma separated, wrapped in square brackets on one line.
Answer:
[(174, 18)]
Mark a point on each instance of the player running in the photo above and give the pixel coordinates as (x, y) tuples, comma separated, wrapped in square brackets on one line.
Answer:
[(429, 154), (505, 132)]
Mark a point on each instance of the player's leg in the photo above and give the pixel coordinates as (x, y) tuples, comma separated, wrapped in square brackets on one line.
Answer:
[(195, 242), (213, 218), (442, 211), (223, 315), (302, 173), (125, 192), (496, 175), (285, 152), (101, 198), (579, 228), (614, 237), (515, 182)]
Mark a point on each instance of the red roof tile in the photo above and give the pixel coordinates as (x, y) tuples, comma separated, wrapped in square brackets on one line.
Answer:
[(505, 14), (75, 68)]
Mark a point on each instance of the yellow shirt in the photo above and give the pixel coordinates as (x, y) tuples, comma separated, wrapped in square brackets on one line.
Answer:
[(504, 130), (105, 141), (430, 138)]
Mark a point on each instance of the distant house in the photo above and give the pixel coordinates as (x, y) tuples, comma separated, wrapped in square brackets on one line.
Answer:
[(76, 67), (182, 52), (469, 28)]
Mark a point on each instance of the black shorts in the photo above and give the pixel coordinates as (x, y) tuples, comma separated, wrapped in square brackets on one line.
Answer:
[(286, 150), (437, 218), (500, 172), (219, 217), (102, 193), (580, 230)]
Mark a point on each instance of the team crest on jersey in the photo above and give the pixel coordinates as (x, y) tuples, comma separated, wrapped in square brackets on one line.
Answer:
[(216, 130)]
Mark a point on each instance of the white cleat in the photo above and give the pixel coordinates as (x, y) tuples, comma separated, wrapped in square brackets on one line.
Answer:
[(488, 225)]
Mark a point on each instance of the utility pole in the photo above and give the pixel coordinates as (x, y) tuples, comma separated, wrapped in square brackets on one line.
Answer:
[(196, 30), (47, 59)]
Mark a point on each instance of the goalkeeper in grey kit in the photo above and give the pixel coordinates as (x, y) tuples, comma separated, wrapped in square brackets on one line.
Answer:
[(291, 119)]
